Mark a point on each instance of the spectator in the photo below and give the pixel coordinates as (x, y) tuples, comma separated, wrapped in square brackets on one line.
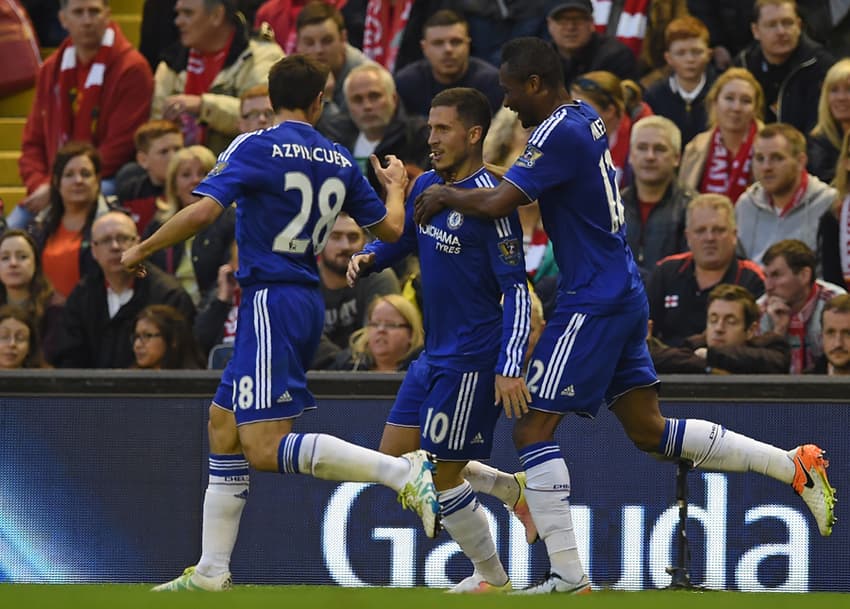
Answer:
[(655, 203), (391, 339), (346, 307), (63, 232), (835, 332), (614, 100), (255, 109), (730, 344), (833, 121), (679, 285), (156, 142), (18, 339), (204, 100), (794, 300), (492, 24), (321, 34), (447, 63), (377, 124), (194, 262), (785, 202), (581, 48), (281, 15), (720, 160), (162, 340), (23, 284), (681, 96), (833, 244), (728, 22), (100, 313), (113, 102), (786, 63)]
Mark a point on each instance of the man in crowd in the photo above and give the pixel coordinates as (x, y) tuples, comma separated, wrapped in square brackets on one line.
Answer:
[(255, 109), (679, 285), (377, 124), (786, 201), (835, 330), (447, 63), (794, 299), (789, 66), (95, 88), (730, 343), (199, 81), (99, 316), (655, 203)]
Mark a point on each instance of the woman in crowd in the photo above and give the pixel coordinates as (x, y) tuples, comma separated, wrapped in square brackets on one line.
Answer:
[(162, 339), (196, 261), (719, 160), (63, 232), (834, 227), (18, 339), (824, 141), (619, 104), (22, 283), (392, 338)]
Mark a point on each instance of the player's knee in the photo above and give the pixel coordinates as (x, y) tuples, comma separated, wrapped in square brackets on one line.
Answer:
[(222, 432)]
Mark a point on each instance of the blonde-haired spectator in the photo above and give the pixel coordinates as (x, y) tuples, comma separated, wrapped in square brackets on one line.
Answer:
[(833, 124), (833, 237)]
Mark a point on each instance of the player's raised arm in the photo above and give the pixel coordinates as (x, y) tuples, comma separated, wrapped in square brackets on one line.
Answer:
[(394, 179), (185, 223), (481, 202)]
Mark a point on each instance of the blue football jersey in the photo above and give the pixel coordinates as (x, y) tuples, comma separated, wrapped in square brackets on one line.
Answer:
[(289, 183), (567, 167), (466, 265)]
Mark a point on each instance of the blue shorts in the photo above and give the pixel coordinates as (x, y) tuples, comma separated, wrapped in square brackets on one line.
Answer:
[(277, 333), (455, 410), (582, 361)]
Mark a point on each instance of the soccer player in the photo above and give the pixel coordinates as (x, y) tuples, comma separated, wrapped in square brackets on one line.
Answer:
[(289, 184), (594, 347), (474, 348)]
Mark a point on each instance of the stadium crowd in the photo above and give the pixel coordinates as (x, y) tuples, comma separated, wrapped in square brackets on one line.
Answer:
[(728, 124)]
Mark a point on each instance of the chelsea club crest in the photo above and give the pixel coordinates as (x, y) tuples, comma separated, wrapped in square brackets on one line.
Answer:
[(454, 220)]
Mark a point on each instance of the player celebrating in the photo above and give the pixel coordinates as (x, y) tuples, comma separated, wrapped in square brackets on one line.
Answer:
[(472, 344), (289, 183), (601, 302)]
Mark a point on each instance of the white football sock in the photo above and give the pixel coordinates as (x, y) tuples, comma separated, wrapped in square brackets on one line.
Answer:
[(491, 481), (224, 501)]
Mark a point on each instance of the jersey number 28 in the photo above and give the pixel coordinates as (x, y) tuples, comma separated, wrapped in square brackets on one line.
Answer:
[(291, 239)]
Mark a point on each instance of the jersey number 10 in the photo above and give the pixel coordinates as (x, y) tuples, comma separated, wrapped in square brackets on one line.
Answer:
[(292, 239)]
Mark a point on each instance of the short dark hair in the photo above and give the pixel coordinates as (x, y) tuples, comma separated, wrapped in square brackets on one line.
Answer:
[(523, 57), (182, 351), (797, 255), (759, 4), (318, 12), (737, 293), (295, 81), (472, 106), (442, 18)]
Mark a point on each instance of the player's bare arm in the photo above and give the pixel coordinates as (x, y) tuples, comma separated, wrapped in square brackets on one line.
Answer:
[(480, 202), (358, 265), (512, 393), (185, 223), (393, 177)]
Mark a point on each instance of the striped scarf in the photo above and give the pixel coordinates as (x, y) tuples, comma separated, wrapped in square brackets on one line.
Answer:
[(631, 26)]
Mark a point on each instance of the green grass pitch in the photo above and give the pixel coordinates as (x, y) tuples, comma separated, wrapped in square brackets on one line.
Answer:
[(113, 596)]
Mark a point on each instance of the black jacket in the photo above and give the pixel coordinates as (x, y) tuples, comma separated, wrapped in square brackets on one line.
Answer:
[(602, 52), (690, 117), (406, 137), (823, 157), (91, 339), (829, 250), (766, 354), (799, 91)]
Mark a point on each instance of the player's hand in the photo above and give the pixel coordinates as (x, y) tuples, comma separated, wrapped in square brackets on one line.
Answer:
[(37, 199), (357, 265), (394, 174), (429, 204), (132, 260), (513, 395)]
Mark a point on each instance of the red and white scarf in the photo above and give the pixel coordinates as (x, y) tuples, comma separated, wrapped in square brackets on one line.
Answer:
[(801, 357), (384, 27), (631, 26), (796, 197), (724, 176), (844, 238), (80, 87), (201, 70)]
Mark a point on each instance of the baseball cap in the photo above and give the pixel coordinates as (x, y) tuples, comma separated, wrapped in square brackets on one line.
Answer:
[(581, 5)]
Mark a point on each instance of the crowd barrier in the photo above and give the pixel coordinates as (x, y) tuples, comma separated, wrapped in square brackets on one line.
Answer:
[(102, 476)]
